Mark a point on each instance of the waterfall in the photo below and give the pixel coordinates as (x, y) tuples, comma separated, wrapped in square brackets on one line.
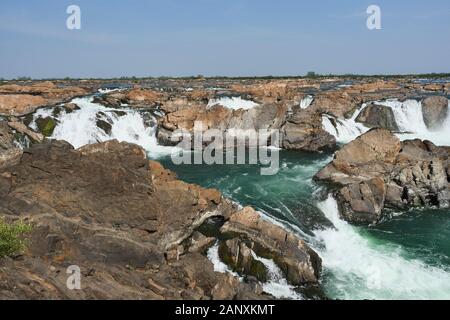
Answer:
[(234, 103), (219, 266), (366, 269), (409, 118), (81, 127), (345, 130), (277, 285), (306, 101)]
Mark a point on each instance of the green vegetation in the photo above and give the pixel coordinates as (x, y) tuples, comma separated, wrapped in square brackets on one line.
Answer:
[(46, 125), (12, 241)]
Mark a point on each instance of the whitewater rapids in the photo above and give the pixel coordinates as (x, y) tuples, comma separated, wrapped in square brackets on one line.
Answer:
[(364, 269), (409, 118), (80, 128)]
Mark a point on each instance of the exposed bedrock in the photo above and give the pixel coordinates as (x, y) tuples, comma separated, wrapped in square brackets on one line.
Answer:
[(377, 172), (378, 116), (18, 100), (267, 116), (278, 108), (296, 259), (435, 111), (130, 226), (303, 131)]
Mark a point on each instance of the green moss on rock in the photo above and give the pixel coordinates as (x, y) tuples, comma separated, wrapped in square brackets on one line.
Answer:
[(46, 125)]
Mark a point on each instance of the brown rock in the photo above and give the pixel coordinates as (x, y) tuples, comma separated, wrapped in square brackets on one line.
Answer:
[(377, 116), (20, 100), (22, 128), (377, 171), (435, 111), (300, 263), (20, 104), (303, 131), (364, 201)]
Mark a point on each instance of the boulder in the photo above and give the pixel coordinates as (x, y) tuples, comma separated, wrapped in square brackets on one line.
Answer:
[(267, 116), (46, 125), (435, 111), (377, 172), (22, 128), (336, 103), (362, 202), (300, 264), (236, 254), (378, 116), (303, 131)]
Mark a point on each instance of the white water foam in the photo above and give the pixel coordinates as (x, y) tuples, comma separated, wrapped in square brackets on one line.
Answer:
[(213, 256), (277, 285), (109, 90), (364, 270), (306, 101), (345, 130), (79, 127), (409, 118), (234, 103)]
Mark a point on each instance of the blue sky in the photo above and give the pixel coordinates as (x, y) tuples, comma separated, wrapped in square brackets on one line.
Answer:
[(222, 37)]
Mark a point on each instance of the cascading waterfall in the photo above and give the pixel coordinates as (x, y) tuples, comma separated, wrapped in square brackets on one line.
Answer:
[(277, 285), (364, 269), (345, 130), (306, 101), (409, 118), (234, 103), (80, 127), (219, 266)]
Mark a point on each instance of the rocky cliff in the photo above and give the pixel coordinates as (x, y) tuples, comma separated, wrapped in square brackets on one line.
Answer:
[(377, 172), (131, 227)]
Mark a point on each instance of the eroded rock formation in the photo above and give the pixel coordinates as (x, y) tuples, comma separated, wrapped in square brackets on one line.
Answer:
[(378, 116), (377, 172), (130, 226)]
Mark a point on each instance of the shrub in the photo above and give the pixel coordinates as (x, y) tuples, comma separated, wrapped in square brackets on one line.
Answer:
[(12, 238)]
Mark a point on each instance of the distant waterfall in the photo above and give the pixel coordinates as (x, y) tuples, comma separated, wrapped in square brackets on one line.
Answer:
[(409, 118)]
